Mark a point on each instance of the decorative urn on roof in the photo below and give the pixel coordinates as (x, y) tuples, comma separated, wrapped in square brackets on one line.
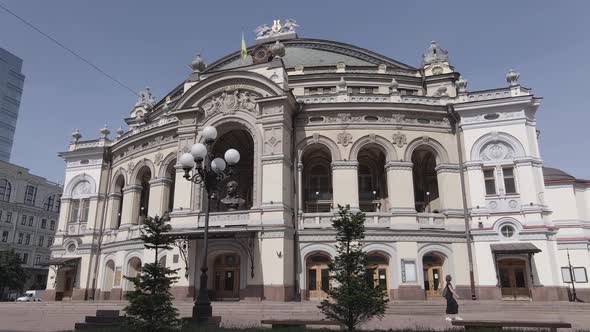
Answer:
[(512, 77), (197, 64), (104, 131), (76, 135), (461, 84)]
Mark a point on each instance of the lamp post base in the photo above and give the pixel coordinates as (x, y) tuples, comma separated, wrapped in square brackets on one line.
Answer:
[(202, 312)]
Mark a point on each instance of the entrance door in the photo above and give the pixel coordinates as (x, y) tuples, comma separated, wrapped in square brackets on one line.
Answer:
[(70, 276), (433, 275), (227, 277), (433, 281), (318, 282), (379, 263), (513, 279), (318, 277)]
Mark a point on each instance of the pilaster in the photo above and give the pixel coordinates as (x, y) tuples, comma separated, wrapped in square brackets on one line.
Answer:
[(400, 186), (345, 183)]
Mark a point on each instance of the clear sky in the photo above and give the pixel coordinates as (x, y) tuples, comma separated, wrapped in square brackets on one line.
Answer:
[(151, 43)]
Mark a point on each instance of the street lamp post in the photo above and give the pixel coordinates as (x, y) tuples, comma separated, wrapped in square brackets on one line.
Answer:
[(201, 167)]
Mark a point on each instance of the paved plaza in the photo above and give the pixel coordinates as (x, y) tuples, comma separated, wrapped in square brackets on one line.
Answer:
[(59, 316)]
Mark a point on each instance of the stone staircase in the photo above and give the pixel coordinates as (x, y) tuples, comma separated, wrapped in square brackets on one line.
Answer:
[(103, 319)]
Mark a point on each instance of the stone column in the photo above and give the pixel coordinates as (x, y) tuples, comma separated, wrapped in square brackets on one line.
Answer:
[(476, 190), (131, 197), (449, 188), (64, 215), (345, 183), (159, 196), (400, 187), (114, 202), (300, 187)]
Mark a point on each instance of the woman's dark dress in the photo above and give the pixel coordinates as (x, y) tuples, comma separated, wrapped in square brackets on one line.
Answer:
[(452, 305)]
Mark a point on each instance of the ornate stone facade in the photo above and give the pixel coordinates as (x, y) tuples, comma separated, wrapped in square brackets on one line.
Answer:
[(311, 137)]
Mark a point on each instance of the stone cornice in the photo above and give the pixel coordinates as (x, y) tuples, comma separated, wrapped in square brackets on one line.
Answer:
[(274, 159), (160, 181), (344, 164), (399, 165), (133, 188), (447, 168)]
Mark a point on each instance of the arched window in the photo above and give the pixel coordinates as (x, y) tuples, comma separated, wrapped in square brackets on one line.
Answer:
[(317, 179), (145, 175), (119, 184), (52, 203), (80, 205), (5, 189), (426, 197), (372, 181), (171, 174)]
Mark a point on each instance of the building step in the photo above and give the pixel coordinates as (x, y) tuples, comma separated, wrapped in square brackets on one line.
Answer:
[(92, 326), (107, 313), (104, 319)]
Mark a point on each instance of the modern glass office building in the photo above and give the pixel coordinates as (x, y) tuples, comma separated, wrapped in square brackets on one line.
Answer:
[(11, 90)]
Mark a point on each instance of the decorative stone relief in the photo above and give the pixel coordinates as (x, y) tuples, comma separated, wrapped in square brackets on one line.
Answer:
[(272, 141), (316, 137), (146, 99), (496, 151), (372, 138), (344, 138), (158, 158), (229, 102), (400, 139), (82, 188), (130, 166)]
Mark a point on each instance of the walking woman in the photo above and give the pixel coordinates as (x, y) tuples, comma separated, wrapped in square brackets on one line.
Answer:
[(451, 296)]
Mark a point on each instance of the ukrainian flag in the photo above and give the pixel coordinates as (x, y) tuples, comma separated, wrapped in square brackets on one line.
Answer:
[(244, 50)]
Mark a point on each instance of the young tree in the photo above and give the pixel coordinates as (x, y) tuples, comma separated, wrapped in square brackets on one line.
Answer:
[(354, 299), (150, 304), (12, 275)]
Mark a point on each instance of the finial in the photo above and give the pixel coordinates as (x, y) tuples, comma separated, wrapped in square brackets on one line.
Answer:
[(461, 84), (120, 132), (76, 135), (435, 54), (394, 85), (512, 77), (278, 49), (197, 64), (342, 83), (104, 131), (146, 99)]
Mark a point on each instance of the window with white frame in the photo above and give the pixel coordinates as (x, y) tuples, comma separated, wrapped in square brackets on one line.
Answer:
[(500, 180), (5, 236), (577, 272), (5, 189), (79, 210), (8, 217)]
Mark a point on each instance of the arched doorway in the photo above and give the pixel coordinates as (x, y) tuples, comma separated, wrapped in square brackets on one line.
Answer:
[(235, 137), (226, 277), (432, 264), (426, 194), (317, 179), (133, 270), (318, 276), (380, 263), (514, 282)]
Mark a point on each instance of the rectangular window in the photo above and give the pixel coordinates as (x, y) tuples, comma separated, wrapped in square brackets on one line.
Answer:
[(25, 258), (30, 195), (20, 238), (5, 236), (509, 183), (85, 209), (27, 239), (580, 275), (490, 181), (43, 223), (49, 242), (75, 210), (9, 217), (37, 259), (41, 240), (23, 220), (31, 220), (52, 225)]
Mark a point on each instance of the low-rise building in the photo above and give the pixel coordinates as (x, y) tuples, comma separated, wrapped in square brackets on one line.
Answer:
[(29, 210)]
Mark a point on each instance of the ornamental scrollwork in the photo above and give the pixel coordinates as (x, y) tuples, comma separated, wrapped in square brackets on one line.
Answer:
[(229, 102)]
